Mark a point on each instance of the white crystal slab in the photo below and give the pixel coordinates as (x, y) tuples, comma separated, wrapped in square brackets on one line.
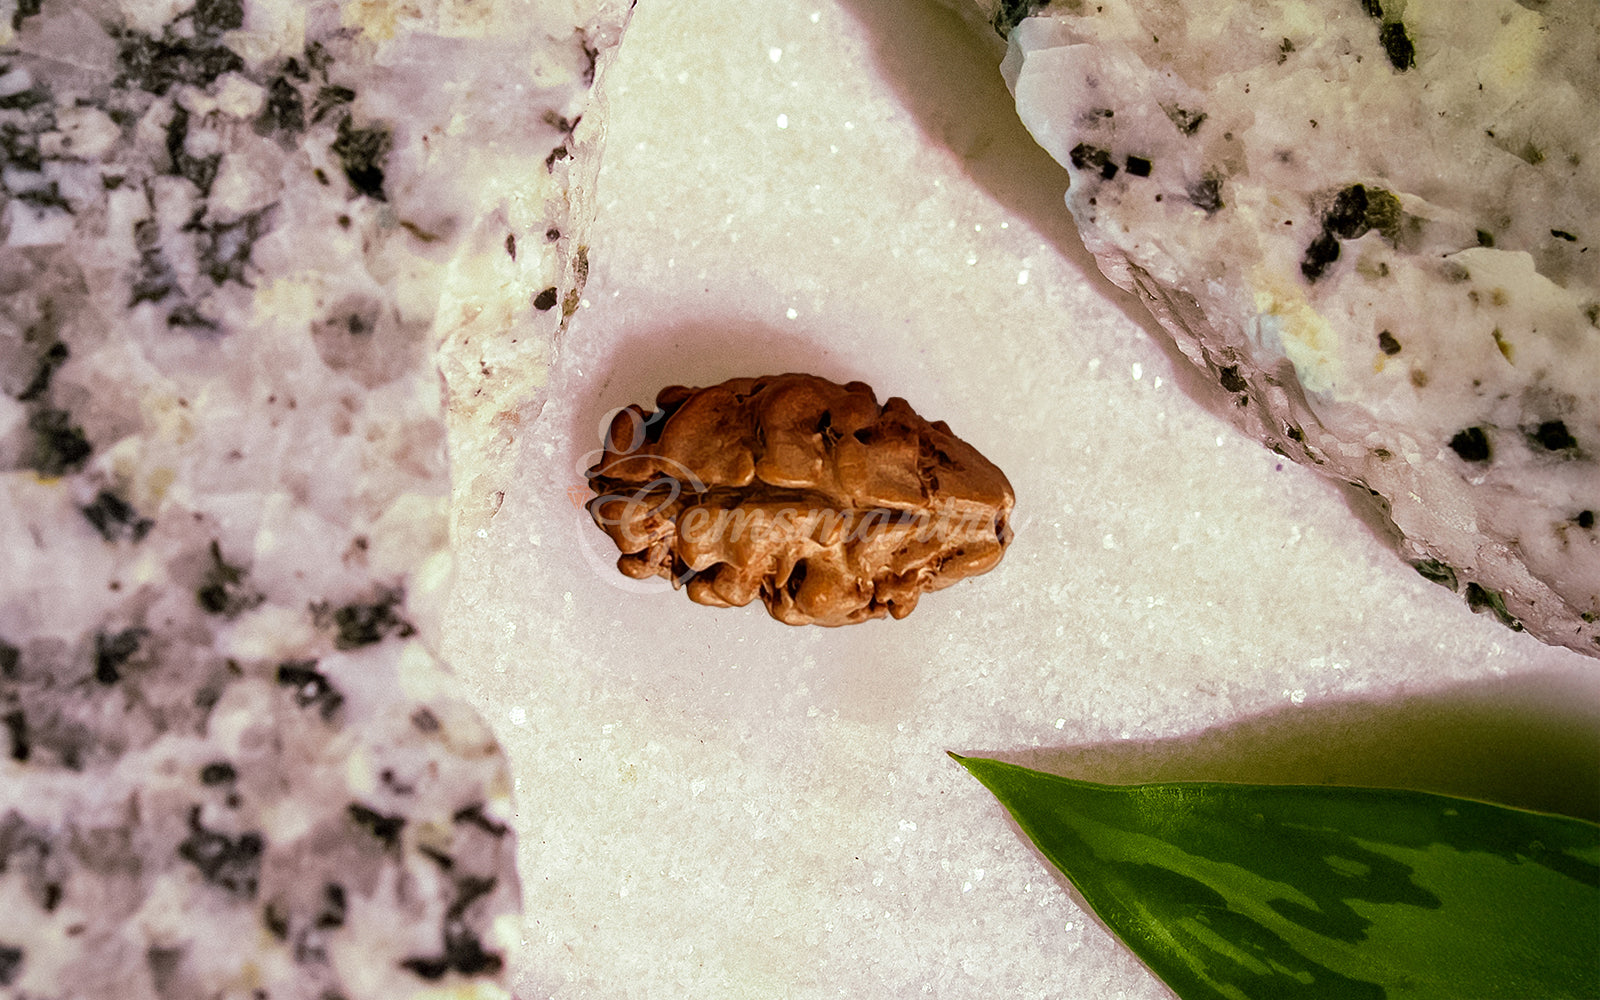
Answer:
[(712, 804)]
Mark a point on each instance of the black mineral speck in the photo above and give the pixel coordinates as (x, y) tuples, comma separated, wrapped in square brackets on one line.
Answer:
[(1397, 46), (47, 197), (362, 152), (463, 952), (155, 279), (591, 58), (311, 687), (157, 64), (1387, 344), (165, 966), (1010, 13), (1188, 122), (275, 920), (201, 171), (394, 783), (1562, 234), (427, 968), (1485, 238), (1346, 217), (327, 99), (206, 698), (22, 100), (1585, 519), (1373, 9), (115, 518), (224, 248), (1355, 210), (25, 9), (53, 358), (284, 111), (332, 912), (59, 445), (1206, 194), (318, 58), (188, 315), (310, 942), (360, 625), (10, 963), (1138, 166), (113, 650), (1471, 444), (16, 723), (231, 863), (218, 772), (545, 300), (222, 590), (475, 816), (216, 16), (384, 827), (1232, 380), (10, 659), (1552, 435), (19, 148), (1086, 157)]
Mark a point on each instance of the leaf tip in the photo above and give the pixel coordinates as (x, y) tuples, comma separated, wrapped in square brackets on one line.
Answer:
[(965, 762)]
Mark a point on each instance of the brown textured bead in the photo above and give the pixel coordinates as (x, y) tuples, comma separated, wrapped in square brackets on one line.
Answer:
[(802, 492)]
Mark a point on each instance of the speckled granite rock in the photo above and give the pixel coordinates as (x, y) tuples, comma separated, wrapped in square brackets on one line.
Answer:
[(235, 235), (1373, 224)]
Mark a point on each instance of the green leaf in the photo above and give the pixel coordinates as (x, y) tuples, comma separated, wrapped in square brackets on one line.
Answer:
[(1289, 892)]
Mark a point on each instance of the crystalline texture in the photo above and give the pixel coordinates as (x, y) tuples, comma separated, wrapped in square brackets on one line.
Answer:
[(1373, 227)]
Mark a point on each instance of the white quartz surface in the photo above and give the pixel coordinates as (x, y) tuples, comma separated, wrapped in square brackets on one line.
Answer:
[(712, 804)]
